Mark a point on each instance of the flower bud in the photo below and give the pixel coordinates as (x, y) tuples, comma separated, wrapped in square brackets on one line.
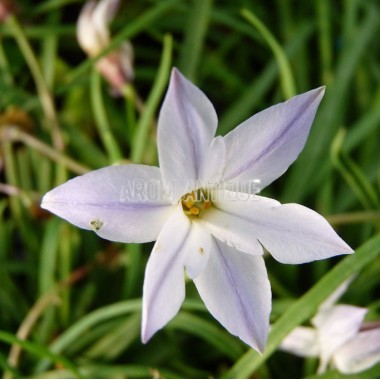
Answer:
[(93, 37), (6, 8)]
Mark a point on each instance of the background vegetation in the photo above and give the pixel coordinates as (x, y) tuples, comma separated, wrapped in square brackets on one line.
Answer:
[(70, 301)]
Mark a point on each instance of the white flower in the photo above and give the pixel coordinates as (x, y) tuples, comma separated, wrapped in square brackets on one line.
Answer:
[(338, 336), (93, 37), (193, 205)]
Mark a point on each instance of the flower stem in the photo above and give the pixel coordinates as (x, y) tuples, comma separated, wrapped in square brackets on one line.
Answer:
[(130, 105), (39, 350), (323, 12), (145, 121), (42, 88), (196, 29), (26, 327), (101, 119), (12, 180), (4, 66), (354, 217), (16, 205), (13, 134)]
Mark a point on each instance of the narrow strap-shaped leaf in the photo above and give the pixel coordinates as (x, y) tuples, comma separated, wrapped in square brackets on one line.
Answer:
[(218, 338), (286, 74), (39, 350), (352, 173), (145, 121)]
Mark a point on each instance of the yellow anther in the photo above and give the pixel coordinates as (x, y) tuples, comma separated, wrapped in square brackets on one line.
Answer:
[(195, 204), (194, 211), (189, 200), (188, 203), (206, 204)]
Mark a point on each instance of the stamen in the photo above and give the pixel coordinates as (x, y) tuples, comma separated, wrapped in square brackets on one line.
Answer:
[(189, 200), (194, 211), (194, 204), (206, 204)]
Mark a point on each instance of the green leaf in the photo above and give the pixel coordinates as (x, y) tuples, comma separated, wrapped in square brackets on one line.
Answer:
[(220, 339), (39, 351)]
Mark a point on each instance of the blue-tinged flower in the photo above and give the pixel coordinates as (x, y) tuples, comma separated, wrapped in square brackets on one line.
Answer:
[(338, 336), (93, 36), (203, 211)]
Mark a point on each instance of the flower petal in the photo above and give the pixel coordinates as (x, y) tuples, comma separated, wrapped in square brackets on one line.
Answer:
[(264, 146), (213, 164), (225, 223), (339, 291), (123, 203), (186, 127), (359, 353), (92, 26), (335, 327), (105, 11), (86, 33), (197, 249), (103, 14), (293, 234), (164, 283), (302, 341), (235, 288)]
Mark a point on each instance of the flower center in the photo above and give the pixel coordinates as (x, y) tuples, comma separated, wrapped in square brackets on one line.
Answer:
[(195, 204)]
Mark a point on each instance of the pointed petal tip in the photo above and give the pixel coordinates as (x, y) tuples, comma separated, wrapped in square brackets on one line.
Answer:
[(146, 334), (44, 205), (175, 71), (342, 249), (260, 348), (175, 74), (346, 249), (145, 337), (49, 199), (254, 342), (177, 77), (312, 97), (258, 343), (148, 329), (321, 91), (45, 201), (318, 92)]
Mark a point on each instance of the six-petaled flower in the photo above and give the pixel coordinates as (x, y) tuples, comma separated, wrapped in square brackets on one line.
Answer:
[(205, 221)]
